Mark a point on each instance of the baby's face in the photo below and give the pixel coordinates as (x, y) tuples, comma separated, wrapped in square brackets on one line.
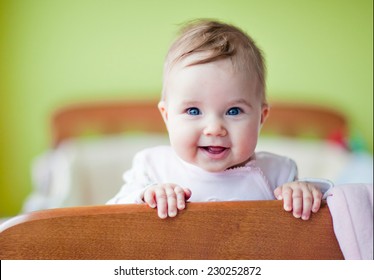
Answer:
[(213, 115)]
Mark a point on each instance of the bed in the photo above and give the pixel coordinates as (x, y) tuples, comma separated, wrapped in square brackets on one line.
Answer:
[(93, 144)]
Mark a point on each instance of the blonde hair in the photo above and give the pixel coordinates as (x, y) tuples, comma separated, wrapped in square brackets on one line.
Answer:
[(217, 40)]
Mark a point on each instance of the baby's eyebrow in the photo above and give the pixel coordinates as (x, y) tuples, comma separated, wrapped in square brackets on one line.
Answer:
[(190, 103), (240, 101)]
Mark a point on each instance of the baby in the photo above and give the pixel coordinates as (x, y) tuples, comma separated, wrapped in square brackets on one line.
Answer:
[(214, 104)]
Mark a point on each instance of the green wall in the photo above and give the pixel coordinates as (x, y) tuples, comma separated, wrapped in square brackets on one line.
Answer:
[(56, 52)]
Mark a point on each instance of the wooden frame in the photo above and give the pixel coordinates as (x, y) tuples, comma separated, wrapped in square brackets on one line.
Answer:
[(210, 230)]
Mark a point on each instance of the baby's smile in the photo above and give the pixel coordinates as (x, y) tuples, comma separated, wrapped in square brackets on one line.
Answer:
[(215, 152)]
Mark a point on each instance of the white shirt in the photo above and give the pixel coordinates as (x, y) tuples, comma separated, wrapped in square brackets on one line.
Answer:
[(254, 181)]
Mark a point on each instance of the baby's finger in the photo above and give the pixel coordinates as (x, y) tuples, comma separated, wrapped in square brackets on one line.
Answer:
[(278, 193), (181, 197), (171, 201), (307, 205), (161, 199), (287, 198), (187, 193), (149, 198), (297, 202), (317, 200)]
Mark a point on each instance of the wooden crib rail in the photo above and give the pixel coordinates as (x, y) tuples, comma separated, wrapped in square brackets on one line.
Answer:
[(209, 230)]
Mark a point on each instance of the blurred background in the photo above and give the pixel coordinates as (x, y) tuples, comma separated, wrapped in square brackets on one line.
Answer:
[(56, 52)]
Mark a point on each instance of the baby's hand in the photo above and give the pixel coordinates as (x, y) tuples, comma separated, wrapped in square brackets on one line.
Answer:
[(301, 197), (168, 198)]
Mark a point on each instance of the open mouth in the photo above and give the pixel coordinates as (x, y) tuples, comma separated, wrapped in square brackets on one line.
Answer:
[(214, 149), (215, 152)]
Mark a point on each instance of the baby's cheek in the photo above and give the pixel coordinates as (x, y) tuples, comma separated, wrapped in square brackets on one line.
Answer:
[(245, 148), (184, 145)]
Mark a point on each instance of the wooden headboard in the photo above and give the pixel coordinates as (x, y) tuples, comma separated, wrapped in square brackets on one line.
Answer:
[(105, 118), (210, 230), (142, 115)]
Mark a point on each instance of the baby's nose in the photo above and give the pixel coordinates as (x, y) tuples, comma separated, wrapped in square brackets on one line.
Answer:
[(215, 128)]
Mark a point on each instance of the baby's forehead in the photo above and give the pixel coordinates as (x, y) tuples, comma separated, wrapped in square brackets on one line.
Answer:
[(217, 76), (183, 65), (224, 67)]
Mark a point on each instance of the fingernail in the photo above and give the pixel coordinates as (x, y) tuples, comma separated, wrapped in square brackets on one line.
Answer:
[(305, 217), (296, 215), (162, 215), (287, 208), (172, 214)]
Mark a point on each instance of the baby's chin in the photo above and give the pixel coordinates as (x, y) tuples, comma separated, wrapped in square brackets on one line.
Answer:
[(211, 168), (215, 166), (219, 167), (214, 170)]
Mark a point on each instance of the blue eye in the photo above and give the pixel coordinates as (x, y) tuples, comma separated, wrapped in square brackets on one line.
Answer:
[(193, 111), (234, 111)]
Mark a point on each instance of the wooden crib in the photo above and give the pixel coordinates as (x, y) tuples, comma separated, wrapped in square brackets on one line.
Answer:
[(203, 231)]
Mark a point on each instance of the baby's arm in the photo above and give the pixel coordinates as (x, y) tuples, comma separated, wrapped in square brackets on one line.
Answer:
[(300, 197), (168, 198)]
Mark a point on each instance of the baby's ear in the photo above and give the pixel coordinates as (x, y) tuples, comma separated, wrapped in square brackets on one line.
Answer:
[(264, 113), (163, 110)]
